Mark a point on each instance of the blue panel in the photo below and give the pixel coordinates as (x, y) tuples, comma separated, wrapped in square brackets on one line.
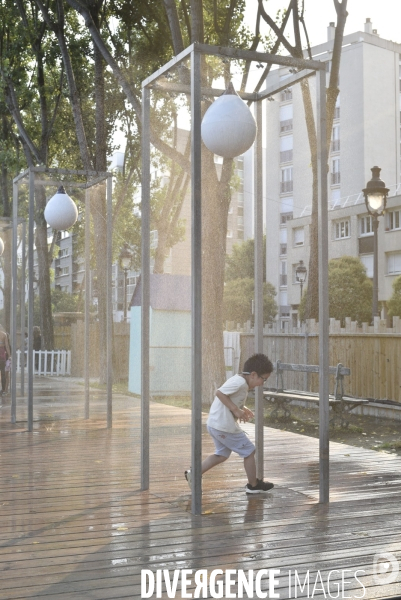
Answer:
[(134, 375)]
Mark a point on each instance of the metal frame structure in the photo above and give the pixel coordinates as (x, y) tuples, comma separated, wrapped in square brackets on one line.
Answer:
[(305, 68), (30, 178)]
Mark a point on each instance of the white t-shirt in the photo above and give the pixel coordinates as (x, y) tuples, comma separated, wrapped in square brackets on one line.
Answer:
[(221, 417)]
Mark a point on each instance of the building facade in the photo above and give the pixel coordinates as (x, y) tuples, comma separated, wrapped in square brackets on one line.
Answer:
[(366, 132)]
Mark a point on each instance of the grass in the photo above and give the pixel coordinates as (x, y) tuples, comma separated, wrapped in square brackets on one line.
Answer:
[(362, 430)]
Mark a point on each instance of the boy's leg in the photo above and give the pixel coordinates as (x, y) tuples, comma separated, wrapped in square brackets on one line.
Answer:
[(250, 468), (211, 461)]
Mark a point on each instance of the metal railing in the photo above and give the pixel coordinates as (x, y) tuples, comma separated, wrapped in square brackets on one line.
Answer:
[(48, 362)]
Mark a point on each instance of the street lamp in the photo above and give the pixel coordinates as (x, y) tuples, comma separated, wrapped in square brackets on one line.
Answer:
[(375, 199), (300, 274), (125, 263)]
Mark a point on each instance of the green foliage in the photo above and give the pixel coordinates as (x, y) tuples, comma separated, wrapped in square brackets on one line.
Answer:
[(350, 291), (64, 302), (238, 296), (394, 303), (240, 264)]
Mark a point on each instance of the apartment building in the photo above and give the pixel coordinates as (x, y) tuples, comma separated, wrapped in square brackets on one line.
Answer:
[(366, 132)]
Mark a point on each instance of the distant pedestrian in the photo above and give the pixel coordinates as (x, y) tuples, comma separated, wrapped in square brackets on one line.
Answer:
[(5, 353)]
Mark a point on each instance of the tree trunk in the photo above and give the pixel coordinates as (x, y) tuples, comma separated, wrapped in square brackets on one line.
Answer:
[(215, 205), (46, 317)]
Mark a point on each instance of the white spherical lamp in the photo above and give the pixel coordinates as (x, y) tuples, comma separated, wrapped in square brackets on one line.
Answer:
[(61, 212), (228, 127), (1, 246)]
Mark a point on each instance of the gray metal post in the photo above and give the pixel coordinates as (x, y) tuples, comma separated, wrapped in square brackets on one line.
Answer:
[(324, 490), (14, 303), (31, 224), (375, 304), (109, 305), (145, 280), (196, 281), (87, 300), (22, 309), (258, 325)]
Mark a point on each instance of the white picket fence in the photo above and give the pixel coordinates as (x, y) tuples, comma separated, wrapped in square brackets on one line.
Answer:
[(48, 362)]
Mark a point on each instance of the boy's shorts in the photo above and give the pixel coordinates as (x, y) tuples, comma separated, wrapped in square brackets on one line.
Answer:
[(226, 442)]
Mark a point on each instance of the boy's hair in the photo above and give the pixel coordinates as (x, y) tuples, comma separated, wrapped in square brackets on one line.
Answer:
[(258, 363)]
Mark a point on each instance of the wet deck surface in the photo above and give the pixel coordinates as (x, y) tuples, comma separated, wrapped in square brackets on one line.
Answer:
[(74, 523)]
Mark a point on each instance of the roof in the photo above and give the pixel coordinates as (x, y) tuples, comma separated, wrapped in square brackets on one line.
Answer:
[(167, 292)]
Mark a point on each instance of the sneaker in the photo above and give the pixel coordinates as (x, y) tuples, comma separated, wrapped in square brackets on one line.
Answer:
[(259, 488), (188, 477)]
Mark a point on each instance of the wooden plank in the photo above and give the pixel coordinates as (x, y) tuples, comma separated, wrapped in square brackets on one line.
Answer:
[(74, 523)]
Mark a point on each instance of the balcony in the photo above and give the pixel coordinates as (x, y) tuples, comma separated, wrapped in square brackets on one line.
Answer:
[(286, 156), (286, 125), (283, 280), (286, 187)]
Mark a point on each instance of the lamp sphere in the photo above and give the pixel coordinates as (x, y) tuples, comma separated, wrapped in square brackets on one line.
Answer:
[(1, 246), (61, 212), (228, 127)]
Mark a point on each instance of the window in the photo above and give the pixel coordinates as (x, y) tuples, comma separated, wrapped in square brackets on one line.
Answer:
[(286, 118), (298, 233), (394, 263), (335, 140), (286, 148), (286, 184), (63, 252), (283, 298), (335, 198), (229, 233), (65, 271), (366, 225), (367, 260), (335, 171), (283, 273), (287, 205), (394, 219), (342, 229), (283, 241)]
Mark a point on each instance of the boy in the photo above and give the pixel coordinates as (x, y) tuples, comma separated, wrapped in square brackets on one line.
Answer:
[(227, 408)]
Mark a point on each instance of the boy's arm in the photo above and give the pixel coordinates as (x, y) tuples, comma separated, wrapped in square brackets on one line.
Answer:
[(244, 414)]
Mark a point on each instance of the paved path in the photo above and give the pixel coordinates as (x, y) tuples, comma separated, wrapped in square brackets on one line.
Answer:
[(74, 523)]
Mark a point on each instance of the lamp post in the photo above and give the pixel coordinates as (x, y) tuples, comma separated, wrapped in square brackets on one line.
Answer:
[(125, 263), (300, 273), (375, 199)]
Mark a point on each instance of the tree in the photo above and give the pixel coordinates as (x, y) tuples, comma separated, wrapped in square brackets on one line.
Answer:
[(350, 291), (169, 29), (297, 51), (238, 297), (240, 263), (394, 303)]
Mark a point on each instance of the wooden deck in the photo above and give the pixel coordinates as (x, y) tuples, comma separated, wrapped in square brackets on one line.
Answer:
[(75, 525)]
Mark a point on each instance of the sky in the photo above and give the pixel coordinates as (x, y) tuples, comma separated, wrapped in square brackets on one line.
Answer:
[(384, 14)]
